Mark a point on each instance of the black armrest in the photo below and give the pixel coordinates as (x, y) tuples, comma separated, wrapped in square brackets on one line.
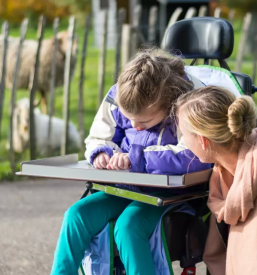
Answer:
[(245, 82)]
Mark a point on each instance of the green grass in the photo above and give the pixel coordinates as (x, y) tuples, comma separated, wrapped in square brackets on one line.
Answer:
[(90, 91)]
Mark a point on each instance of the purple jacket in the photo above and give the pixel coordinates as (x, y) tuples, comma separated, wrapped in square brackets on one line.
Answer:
[(156, 151)]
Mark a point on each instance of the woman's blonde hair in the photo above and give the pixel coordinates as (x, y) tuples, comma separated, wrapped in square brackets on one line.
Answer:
[(217, 114), (153, 77)]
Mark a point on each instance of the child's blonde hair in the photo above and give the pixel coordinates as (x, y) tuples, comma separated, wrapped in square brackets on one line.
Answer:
[(153, 77), (217, 114)]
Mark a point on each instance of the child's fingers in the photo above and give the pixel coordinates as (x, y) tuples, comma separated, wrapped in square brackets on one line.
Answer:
[(115, 160), (97, 163), (101, 161), (111, 159), (127, 163), (121, 162), (110, 167), (113, 163), (107, 158)]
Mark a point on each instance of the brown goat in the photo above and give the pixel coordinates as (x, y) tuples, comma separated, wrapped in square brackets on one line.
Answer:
[(28, 55)]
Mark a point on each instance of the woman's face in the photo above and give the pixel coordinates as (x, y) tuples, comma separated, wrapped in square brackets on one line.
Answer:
[(150, 117), (197, 144)]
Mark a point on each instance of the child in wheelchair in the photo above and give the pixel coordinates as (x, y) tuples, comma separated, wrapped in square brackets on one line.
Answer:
[(132, 130), (221, 129)]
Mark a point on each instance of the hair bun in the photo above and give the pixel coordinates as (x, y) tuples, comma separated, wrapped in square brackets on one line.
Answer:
[(242, 117)]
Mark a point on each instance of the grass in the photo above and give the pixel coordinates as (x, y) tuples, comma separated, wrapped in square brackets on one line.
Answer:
[(90, 91)]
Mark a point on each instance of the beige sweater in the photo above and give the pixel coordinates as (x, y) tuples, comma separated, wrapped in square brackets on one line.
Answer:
[(233, 199)]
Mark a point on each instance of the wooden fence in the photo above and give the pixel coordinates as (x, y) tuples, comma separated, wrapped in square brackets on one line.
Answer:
[(128, 40)]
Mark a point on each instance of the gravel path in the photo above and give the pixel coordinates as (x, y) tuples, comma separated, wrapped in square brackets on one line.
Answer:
[(30, 218)]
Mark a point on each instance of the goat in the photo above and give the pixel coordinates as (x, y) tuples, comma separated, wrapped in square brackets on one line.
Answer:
[(41, 122), (28, 56)]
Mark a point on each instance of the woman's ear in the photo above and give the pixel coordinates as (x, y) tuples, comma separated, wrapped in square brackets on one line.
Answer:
[(204, 142)]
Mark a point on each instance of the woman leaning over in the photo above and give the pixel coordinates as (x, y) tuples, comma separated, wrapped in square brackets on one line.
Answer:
[(220, 129)]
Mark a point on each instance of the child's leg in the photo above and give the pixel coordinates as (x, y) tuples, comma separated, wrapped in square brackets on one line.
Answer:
[(81, 222), (132, 232)]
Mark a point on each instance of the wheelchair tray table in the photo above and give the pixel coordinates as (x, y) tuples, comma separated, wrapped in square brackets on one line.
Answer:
[(68, 167)]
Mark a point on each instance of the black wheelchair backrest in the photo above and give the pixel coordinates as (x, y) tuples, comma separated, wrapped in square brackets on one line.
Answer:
[(206, 38), (201, 37)]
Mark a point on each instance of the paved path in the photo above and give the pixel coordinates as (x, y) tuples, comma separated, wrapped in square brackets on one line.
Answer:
[(30, 219)]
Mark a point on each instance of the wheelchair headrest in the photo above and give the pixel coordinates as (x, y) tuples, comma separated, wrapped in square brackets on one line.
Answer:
[(201, 37)]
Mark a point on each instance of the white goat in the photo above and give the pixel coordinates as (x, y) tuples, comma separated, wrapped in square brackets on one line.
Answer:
[(21, 130)]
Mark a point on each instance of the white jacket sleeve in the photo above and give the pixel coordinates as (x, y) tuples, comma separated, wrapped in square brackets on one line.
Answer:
[(104, 134)]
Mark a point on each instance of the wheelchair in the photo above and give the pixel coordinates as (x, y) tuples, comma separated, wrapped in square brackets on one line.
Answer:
[(204, 38)]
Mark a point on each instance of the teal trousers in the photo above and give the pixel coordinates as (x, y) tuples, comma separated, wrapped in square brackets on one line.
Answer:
[(87, 217)]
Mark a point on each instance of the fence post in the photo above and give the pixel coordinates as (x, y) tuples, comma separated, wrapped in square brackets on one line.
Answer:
[(174, 18), (132, 4), (136, 34), (162, 18), (126, 44), (153, 16), (191, 12), (241, 47), (23, 31), (67, 78), (254, 61), (120, 21), (231, 16), (5, 31), (203, 11), (33, 87), (52, 85), (81, 83), (217, 12), (102, 59)]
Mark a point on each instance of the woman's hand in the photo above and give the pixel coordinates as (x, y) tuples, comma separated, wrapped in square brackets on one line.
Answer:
[(119, 161), (101, 161)]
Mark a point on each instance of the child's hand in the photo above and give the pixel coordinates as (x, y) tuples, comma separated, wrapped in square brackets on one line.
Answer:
[(119, 161), (101, 161)]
